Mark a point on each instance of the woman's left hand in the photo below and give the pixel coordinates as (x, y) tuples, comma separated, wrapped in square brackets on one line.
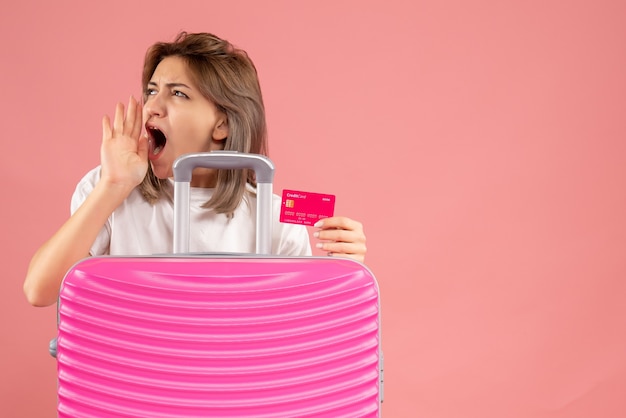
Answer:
[(341, 237)]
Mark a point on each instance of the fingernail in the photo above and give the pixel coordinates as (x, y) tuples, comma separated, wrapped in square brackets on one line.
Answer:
[(318, 224), (316, 234), (319, 245)]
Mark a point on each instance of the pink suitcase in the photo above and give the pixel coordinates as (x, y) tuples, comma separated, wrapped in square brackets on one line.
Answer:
[(188, 335)]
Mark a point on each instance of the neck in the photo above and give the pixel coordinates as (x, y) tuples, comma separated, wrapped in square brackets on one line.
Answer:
[(204, 177)]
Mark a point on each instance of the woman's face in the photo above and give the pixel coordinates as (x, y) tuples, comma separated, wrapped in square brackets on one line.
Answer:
[(179, 120)]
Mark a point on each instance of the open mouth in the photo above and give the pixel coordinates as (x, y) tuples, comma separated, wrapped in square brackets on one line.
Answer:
[(157, 140)]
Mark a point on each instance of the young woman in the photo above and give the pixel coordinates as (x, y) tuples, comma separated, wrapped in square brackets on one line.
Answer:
[(200, 94)]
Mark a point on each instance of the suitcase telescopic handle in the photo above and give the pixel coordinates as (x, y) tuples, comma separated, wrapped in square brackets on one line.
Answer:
[(264, 170)]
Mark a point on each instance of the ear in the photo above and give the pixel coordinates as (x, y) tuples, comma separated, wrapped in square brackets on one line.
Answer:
[(220, 132)]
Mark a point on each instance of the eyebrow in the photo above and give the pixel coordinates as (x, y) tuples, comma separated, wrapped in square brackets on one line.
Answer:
[(169, 85)]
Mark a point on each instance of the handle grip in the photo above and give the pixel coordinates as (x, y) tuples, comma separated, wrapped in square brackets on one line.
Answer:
[(183, 168)]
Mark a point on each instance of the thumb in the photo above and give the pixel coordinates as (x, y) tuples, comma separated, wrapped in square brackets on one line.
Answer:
[(142, 147)]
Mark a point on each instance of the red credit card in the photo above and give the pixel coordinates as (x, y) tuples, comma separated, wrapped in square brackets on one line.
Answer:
[(306, 208)]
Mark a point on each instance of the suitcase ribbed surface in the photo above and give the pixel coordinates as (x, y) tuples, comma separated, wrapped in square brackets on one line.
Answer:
[(211, 337)]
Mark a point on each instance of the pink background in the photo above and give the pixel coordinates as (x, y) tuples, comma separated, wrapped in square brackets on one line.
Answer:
[(482, 143)]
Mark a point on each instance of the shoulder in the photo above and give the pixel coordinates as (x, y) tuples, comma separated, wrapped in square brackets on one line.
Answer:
[(87, 184), (84, 187), (90, 179)]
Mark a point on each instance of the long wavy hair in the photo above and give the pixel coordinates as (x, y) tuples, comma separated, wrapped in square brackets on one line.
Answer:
[(228, 78)]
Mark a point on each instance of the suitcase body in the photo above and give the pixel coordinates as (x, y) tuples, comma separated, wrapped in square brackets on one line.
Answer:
[(219, 336), (189, 335)]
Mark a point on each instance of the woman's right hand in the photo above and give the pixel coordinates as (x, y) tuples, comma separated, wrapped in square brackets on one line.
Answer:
[(124, 160), (124, 151)]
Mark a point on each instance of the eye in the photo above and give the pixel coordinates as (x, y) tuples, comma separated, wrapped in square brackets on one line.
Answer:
[(150, 92), (180, 94)]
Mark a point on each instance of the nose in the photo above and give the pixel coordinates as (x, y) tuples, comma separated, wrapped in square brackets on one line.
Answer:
[(154, 105)]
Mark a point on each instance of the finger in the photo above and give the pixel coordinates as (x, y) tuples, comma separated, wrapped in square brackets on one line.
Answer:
[(129, 119), (106, 128), (340, 222), (340, 235), (342, 247), (136, 132), (142, 147), (358, 254), (118, 121)]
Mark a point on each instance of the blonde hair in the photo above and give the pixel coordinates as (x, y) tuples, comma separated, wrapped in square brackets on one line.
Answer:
[(228, 78)]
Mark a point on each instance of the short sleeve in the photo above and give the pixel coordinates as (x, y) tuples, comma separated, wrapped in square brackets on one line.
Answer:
[(295, 242), (289, 239), (84, 187)]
